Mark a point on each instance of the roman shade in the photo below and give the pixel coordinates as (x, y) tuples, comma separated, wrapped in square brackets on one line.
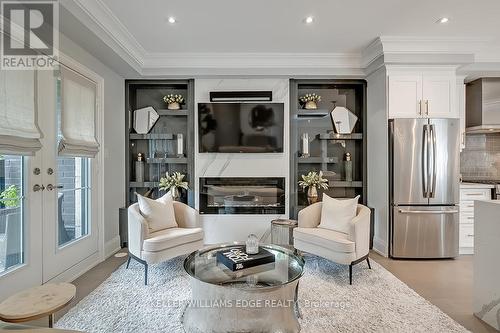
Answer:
[(19, 132), (78, 111)]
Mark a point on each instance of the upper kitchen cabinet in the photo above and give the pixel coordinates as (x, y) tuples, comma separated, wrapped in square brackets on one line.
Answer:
[(422, 95)]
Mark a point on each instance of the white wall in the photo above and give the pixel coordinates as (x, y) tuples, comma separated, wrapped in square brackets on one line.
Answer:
[(378, 160), (226, 228), (113, 145)]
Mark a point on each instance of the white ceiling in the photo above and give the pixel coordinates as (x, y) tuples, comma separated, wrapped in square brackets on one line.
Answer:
[(276, 26)]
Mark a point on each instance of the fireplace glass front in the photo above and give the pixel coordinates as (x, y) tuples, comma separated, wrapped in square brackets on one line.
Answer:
[(249, 195)]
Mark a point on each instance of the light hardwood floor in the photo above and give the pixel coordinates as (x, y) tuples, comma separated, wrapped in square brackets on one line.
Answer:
[(445, 283)]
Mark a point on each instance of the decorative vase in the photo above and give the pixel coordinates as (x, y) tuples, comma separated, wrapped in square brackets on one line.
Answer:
[(173, 106), (175, 193), (312, 194), (252, 244), (311, 105)]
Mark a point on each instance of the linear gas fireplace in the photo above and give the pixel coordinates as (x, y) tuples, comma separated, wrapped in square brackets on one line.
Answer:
[(249, 195)]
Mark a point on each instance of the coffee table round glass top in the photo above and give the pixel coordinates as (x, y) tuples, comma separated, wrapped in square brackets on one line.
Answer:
[(203, 266)]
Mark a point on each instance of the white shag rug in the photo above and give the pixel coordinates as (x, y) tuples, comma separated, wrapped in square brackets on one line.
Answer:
[(376, 302)]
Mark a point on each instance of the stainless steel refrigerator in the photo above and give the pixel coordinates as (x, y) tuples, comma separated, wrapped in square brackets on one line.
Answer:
[(424, 187)]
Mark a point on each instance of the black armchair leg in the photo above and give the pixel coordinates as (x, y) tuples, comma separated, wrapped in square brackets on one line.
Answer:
[(368, 261), (128, 260), (145, 274), (350, 274), (357, 262)]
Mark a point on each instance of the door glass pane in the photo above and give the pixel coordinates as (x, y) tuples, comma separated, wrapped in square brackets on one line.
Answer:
[(73, 190), (11, 211), (73, 194)]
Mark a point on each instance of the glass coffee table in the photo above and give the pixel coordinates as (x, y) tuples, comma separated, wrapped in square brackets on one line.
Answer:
[(257, 299)]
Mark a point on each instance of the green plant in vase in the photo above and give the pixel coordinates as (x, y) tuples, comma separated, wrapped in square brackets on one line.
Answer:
[(312, 181), (310, 101), (173, 183)]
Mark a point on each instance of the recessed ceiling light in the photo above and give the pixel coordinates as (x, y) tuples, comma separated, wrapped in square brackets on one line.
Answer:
[(172, 20), (443, 20), (309, 19)]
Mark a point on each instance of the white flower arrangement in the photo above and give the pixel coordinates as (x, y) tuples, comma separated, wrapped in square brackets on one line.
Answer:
[(314, 179), (310, 98), (169, 99), (175, 180)]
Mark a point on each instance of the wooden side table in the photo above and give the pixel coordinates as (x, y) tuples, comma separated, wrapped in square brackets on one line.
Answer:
[(37, 302)]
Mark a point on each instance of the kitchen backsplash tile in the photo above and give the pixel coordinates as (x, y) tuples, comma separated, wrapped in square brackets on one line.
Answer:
[(481, 157)]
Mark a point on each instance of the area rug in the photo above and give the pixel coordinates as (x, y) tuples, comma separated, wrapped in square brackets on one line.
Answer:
[(376, 302)]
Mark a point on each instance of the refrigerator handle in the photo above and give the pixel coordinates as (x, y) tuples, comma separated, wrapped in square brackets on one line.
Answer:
[(433, 138), (425, 154)]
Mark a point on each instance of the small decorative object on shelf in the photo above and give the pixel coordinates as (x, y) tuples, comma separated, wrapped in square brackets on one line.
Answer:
[(180, 145), (139, 168), (348, 167), (313, 181), (145, 119), (305, 145), (343, 120), (173, 183), (174, 102), (252, 244), (310, 101)]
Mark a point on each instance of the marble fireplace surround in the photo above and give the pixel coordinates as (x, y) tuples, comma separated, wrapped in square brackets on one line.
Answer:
[(229, 227)]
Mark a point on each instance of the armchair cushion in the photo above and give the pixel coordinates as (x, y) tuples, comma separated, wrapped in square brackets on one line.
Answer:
[(171, 237), (329, 239), (336, 214), (158, 213)]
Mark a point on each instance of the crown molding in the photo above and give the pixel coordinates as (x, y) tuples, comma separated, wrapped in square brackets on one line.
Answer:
[(97, 17)]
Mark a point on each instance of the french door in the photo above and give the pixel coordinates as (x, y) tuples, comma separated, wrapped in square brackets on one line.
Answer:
[(48, 204)]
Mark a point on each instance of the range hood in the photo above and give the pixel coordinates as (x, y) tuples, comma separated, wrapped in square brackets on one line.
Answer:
[(483, 106)]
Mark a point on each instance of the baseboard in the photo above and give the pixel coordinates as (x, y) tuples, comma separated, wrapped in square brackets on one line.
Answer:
[(380, 246), (466, 250), (75, 271), (112, 246)]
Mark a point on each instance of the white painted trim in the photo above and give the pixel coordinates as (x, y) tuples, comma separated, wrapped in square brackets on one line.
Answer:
[(112, 246), (77, 270), (380, 246), (465, 250)]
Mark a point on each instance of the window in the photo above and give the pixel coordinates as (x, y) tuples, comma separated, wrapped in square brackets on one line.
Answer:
[(74, 190), (12, 201)]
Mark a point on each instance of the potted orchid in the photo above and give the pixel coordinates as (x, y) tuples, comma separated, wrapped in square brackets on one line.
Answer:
[(313, 181), (174, 102), (173, 183), (310, 101)]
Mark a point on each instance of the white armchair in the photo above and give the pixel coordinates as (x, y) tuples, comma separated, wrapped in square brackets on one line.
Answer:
[(344, 248), (149, 248)]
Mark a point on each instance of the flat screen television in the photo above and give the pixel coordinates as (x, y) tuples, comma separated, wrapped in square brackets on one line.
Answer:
[(240, 127)]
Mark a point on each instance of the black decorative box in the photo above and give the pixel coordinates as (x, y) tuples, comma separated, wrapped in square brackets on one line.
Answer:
[(235, 258)]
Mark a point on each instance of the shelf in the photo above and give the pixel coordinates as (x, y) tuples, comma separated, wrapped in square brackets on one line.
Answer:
[(152, 136), (343, 183), (168, 160), (166, 112), (309, 160), (144, 184), (307, 114), (335, 136)]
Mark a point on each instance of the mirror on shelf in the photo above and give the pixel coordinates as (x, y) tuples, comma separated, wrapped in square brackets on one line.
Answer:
[(145, 119), (343, 120)]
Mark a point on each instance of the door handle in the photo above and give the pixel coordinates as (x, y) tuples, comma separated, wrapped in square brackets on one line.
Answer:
[(420, 107), (51, 187), (425, 155), (434, 165), (427, 107), (37, 188), (403, 211)]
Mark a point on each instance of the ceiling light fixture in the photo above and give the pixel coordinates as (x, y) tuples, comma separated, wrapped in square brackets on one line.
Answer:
[(172, 20), (309, 19), (443, 20)]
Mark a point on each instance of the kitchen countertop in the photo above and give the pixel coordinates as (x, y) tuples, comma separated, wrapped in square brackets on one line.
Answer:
[(475, 185), (486, 268)]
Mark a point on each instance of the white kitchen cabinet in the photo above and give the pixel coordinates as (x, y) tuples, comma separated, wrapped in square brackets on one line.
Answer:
[(423, 96), (468, 194)]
